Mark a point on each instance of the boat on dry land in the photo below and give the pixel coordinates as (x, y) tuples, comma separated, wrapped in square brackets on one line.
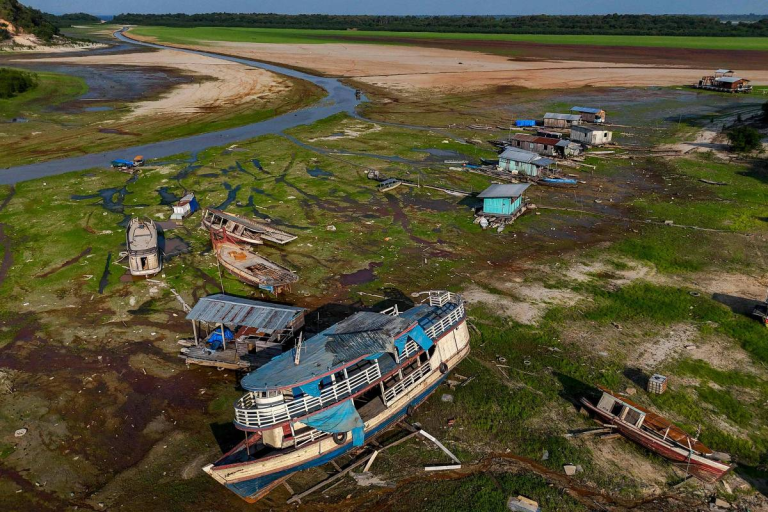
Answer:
[(339, 389), (658, 434), (250, 267), (244, 230), (143, 249)]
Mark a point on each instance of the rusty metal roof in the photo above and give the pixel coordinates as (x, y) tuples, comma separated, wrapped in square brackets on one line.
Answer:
[(230, 310)]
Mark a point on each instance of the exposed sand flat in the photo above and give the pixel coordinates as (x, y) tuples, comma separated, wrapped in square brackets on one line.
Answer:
[(409, 67), (227, 84)]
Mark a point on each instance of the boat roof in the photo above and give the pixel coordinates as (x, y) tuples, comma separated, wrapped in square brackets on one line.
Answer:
[(231, 310), (566, 117), (142, 235), (362, 334), (587, 110), (729, 79), (507, 190)]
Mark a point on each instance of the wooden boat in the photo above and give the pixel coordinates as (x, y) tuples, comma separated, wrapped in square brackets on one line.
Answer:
[(388, 184), (143, 250), (249, 267), (657, 434), (245, 230), (339, 389)]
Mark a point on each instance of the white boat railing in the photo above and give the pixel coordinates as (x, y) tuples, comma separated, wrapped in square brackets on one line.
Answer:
[(248, 414), (308, 437), (410, 348), (408, 382), (440, 327)]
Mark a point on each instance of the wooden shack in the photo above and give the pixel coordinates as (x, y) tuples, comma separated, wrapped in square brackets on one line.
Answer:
[(236, 333), (518, 161), (533, 143), (562, 121), (589, 114), (503, 200), (590, 136)]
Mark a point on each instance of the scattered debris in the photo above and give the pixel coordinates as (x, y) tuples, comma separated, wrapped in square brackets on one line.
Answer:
[(330, 227), (523, 504), (366, 479), (20, 432), (446, 398), (569, 469), (457, 464), (710, 182)]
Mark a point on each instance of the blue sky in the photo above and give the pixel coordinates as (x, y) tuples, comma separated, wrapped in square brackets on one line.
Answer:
[(407, 6)]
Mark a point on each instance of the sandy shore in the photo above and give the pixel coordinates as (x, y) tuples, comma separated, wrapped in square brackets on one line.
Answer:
[(222, 84), (414, 68)]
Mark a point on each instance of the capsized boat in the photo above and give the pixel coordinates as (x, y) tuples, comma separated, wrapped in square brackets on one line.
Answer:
[(338, 389), (245, 230), (143, 250), (657, 434), (250, 267)]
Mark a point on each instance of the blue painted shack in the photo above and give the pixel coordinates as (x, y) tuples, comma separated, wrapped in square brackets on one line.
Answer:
[(523, 162), (506, 200)]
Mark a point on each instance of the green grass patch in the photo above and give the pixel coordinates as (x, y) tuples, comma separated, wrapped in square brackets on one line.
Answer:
[(52, 89), (196, 35)]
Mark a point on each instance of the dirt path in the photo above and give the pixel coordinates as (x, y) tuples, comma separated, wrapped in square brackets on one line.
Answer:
[(220, 85), (414, 68)]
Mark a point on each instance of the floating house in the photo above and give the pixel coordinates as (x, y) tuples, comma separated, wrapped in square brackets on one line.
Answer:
[(186, 206), (561, 120), (245, 230), (591, 136), (518, 161), (724, 80), (589, 114), (239, 334), (503, 200), (143, 248), (338, 389), (548, 146)]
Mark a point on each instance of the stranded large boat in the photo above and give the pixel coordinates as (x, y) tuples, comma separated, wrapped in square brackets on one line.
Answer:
[(143, 250), (657, 434), (339, 388), (249, 267)]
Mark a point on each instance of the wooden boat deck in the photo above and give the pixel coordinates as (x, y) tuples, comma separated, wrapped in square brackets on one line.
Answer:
[(229, 358), (250, 265), (230, 222), (142, 236)]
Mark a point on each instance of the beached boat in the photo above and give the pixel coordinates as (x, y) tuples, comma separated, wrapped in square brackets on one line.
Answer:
[(658, 434), (143, 249), (245, 230), (250, 267), (339, 389)]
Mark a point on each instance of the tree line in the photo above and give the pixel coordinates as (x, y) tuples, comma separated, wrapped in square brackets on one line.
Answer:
[(30, 20), (77, 18), (612, 24)]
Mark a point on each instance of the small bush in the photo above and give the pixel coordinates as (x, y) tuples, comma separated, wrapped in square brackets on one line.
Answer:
[(14, 82), (744, 139)]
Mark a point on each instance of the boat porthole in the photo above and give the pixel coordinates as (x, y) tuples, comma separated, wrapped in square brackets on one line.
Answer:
[(339, 437), (443, 368)]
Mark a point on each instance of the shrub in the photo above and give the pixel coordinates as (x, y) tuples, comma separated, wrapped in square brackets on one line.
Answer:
[(744, 139), (14, 82)]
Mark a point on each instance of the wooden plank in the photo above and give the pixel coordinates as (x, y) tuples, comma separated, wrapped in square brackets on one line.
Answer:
[(440, 445), (370, 461), (333, 463), (442, 468)]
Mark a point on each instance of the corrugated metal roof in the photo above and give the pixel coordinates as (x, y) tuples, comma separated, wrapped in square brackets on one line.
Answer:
[(586, 110), (728, 79), (506, 190), (229, 310), (519, 155), (360, 335), (563, 117), (723, 71)]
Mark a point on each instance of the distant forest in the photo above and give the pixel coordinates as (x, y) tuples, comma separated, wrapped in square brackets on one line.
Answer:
[(67, 20), (612, 24)]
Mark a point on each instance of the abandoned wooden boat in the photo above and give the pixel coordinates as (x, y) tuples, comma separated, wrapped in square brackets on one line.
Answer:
[(244, 230), (239, 334), (388, 184), (657, 434), (143, 249), (249, 267), (339, 389)]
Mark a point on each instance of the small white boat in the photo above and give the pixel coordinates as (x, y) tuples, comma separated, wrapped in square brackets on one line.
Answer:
[(143, 250)]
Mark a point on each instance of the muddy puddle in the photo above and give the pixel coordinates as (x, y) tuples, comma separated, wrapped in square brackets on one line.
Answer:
[(174, 246), (362, 276)]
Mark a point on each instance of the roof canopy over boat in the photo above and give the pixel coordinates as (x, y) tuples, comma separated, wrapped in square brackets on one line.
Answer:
[(363, 335), (230, 310)]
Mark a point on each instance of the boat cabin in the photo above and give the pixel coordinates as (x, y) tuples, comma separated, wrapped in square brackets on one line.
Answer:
[(143, 249), (621, 410), (236, 333), (186, 206)]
